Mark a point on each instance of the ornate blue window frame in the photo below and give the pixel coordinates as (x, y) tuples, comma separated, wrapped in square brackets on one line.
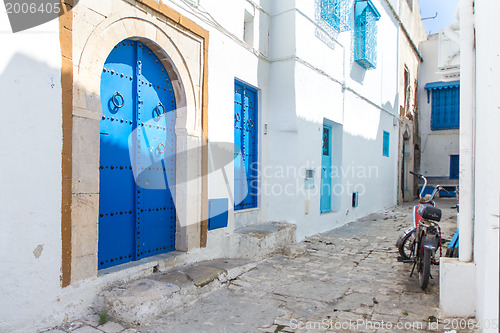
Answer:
[(365, 33), (336, 13), (445, 112)]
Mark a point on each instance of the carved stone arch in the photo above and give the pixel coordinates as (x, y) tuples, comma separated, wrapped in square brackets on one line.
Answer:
[(117, 28)]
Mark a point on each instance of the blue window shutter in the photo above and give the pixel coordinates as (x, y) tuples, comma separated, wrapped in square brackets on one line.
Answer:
[(336, 13), (365, 33), (245, 137), (385, 147), (445, 108)]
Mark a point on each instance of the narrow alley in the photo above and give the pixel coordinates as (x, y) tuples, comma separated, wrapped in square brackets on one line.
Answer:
[(344, 280)]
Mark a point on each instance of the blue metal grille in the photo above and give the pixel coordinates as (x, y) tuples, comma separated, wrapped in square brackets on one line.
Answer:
[(385, 148), (245, 137), (445, 108), (326, 141), (336, 13), (365, 34)]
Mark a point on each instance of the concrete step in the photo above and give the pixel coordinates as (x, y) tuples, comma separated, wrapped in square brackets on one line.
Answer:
[(140, 301), (261, 240)]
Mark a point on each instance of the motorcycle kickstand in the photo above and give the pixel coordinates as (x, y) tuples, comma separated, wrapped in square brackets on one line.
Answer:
[(414, 264)]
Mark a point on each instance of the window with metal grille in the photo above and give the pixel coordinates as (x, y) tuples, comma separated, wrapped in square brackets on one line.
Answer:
[(336, 13), (365, 33), (385, 145), (245, 138), (445, 108)]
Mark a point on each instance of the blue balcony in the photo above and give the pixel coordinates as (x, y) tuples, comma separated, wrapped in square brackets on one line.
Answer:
[(365, 33), (336, 13)]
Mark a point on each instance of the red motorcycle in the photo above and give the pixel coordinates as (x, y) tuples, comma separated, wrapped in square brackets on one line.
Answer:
[(419, 244)]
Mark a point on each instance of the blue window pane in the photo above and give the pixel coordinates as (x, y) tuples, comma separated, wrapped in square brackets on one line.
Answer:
[(245, 136), (336, 13), (385, 147), (445, 108), (365, 34)]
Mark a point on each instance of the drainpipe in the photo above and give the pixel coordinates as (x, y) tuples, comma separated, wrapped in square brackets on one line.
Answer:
[(467, 129)]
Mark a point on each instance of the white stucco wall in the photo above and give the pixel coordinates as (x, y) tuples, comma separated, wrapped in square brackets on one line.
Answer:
[(306, 87), (300, 84), (30, 172), (487, 175), (231, 59), (436, 146)]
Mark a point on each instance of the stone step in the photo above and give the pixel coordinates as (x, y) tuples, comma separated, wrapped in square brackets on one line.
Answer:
[(142, 300), (138, 302), (261, 240)]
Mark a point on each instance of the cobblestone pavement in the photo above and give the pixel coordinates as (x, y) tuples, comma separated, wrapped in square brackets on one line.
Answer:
[(344, 280)]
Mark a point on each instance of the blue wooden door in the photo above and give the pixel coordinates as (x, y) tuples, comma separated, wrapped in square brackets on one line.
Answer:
[(454, 166), (137, 157), (245, 137), (326, 171)]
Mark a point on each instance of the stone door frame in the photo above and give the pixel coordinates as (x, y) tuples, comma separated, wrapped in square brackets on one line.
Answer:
[(182, 49)]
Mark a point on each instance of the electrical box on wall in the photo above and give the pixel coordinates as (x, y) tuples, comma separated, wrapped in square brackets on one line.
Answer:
[(355, 196), (309, 180)]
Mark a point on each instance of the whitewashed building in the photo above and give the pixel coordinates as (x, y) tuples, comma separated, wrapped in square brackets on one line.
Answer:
[(412, 33), (120, 114), (439, 102)]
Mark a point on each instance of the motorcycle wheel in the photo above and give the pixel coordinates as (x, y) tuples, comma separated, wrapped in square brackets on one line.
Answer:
[(406, 246), (424, 271)]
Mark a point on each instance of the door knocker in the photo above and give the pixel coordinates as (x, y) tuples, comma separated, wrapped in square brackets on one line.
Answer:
[(157, 110), (161, 148), (115, 102)]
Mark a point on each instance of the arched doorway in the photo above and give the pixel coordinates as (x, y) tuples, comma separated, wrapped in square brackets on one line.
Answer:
[(137, 216)]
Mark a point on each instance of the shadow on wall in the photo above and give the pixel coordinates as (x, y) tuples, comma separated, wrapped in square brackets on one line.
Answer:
[(357, 72), (30, 190)]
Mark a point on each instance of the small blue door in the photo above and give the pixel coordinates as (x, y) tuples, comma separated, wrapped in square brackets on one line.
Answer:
[(326, 171), (137, 157), (454, 166)]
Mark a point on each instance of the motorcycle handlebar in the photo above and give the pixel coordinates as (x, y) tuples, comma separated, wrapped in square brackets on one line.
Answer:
[(416, 174)]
